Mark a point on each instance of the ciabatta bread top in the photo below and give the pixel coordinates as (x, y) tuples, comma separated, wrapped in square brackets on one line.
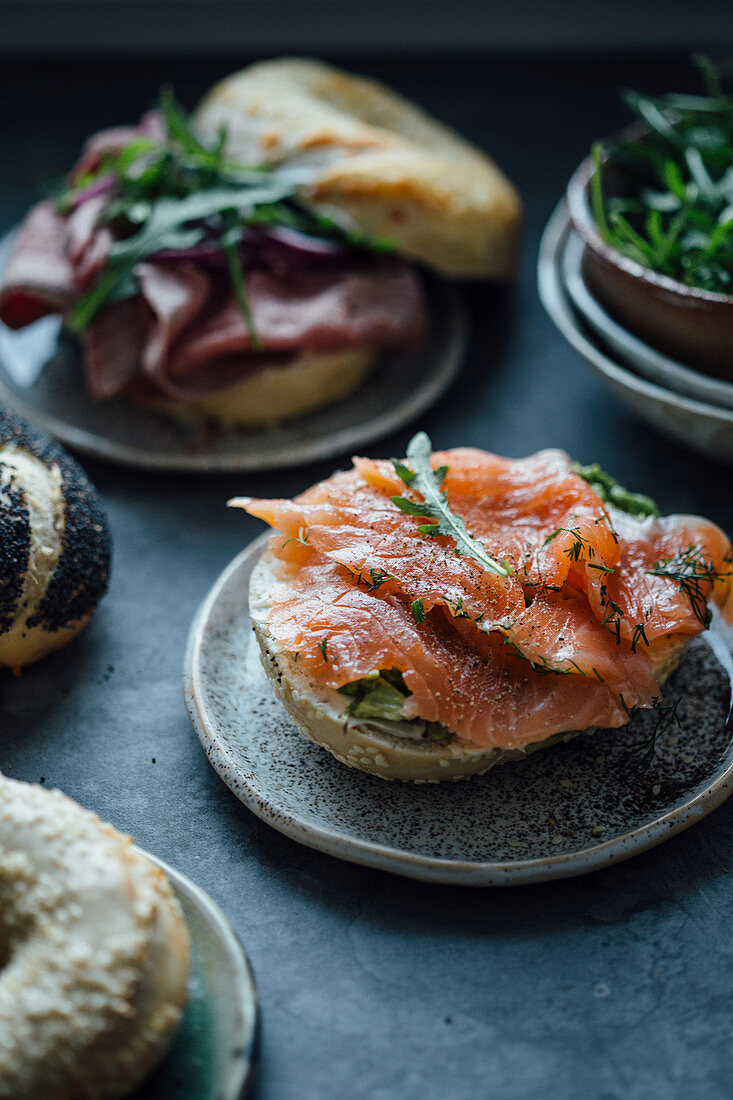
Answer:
[(372, 155)]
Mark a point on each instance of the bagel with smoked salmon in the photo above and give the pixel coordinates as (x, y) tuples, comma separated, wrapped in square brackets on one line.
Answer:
[(428, 618)]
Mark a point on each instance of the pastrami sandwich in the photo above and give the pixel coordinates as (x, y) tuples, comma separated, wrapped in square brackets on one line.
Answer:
[(254, 262), (429, 618)]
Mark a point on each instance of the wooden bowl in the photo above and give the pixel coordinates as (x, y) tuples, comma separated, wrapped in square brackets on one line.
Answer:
[(693, 326)]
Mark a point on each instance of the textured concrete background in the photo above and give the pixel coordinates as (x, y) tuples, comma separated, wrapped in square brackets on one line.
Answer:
[(617, 985)]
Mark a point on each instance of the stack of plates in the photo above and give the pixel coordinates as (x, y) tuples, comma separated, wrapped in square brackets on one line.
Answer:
[(680, 401)]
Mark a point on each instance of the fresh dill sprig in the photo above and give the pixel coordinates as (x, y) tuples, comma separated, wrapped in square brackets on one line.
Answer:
[(667, 716), (423, 479), (378, 578), (694, 575), (638, 635), (323, 646), (302, 537)]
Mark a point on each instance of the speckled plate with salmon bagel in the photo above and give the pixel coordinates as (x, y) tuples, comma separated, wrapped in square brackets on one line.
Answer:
[(584, 804)]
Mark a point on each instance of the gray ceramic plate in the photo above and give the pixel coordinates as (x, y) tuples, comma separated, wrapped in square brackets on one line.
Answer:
[(649, 362), (704, 427), (213, 1053), (41, 378), (581, 805)]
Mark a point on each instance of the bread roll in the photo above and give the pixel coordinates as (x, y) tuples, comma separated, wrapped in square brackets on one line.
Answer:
[(54, 545), (321, 711), (374, 157), (275, 393)]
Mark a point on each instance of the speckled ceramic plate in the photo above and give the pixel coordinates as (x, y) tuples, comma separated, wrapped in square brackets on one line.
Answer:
[(705, 427), (647, 361), (41, 378), (212, 1055), (581, 805)]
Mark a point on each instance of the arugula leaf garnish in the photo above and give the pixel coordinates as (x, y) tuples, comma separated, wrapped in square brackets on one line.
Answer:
[(174, 192), (423, 479)]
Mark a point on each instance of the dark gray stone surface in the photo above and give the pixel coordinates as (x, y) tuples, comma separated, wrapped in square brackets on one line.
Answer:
[(613, 985)]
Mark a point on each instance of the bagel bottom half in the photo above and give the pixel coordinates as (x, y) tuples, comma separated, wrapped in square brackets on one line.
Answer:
[(321, 711), (278, 392)]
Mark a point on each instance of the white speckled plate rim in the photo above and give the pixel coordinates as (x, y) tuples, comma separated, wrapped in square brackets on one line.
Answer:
[(235, 958), (409, 864)]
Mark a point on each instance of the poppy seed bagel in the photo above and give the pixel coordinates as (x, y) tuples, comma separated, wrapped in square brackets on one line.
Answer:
[(54, 545)]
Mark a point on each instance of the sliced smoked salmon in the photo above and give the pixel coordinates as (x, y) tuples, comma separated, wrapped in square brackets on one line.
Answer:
[(547, 612)]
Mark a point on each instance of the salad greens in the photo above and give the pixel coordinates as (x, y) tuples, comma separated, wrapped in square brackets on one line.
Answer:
[(172, 193), (380, 698), (675, 215)]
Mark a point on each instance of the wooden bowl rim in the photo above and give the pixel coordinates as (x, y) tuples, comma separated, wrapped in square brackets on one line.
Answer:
[(584, 223)]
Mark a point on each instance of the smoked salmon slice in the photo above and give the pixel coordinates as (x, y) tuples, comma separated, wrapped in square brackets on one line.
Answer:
[(562, 636)]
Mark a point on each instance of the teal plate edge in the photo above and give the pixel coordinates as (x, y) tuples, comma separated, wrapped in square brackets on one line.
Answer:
[(213, 1054)]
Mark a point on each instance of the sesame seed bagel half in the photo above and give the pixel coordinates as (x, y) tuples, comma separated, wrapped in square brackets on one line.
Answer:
[(54, 545), (321, 712)]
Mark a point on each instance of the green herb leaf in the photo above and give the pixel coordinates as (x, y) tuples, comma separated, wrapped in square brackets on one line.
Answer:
[(610, 491), (663, 198), (418, 611), (694, 575), (421, 477)]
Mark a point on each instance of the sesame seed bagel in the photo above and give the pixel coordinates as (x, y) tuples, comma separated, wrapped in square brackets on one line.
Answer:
[(375, 157), (54, 545), (93, 952), (321, 713)]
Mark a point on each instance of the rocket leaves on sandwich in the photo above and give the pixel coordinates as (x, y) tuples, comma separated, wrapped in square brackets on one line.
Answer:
[(176, 194), (609, 490), (423, 479)]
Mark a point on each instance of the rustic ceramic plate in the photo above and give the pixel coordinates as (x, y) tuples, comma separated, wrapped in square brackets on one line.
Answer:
[(647, 361), (41, 378), (704, 427), (579, 806), (212, 1054)]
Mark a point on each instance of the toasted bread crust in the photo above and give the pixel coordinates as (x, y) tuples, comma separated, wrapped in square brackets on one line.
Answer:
[(277, 393), (376, 158)]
